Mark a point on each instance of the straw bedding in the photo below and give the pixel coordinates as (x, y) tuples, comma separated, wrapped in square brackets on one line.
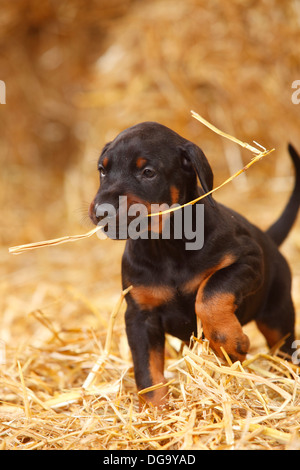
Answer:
[(212, 405), (233, 63)]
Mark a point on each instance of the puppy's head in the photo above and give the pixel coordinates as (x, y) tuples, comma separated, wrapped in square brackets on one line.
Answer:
[(148, 164)]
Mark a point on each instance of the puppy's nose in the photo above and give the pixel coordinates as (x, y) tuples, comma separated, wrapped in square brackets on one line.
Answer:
[(93, 212)]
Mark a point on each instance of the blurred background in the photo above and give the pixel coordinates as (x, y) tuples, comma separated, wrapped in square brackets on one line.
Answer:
[(76, 74)]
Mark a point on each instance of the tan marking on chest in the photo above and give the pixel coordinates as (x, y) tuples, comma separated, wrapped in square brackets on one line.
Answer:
[(193, 284), (149, 297), (201, 279)]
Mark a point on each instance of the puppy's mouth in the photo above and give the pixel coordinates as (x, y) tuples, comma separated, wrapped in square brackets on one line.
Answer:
[(116, 221), (130, 219)]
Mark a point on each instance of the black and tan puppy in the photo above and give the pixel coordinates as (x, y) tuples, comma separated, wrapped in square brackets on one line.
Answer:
[(235, 276)]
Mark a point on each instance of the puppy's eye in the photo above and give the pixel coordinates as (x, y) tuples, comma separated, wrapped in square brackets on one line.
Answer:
[(102, 170), (148, 173)]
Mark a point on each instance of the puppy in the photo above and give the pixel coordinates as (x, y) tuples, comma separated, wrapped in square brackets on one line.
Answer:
[(233, 275)]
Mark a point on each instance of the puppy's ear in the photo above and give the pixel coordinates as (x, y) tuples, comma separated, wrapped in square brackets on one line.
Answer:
[(194, 159)]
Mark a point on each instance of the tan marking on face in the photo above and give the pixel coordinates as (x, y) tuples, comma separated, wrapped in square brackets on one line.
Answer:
[(132, 199), (105, 162), (91, 209), (174, 192), (158, 221), (140, 162)]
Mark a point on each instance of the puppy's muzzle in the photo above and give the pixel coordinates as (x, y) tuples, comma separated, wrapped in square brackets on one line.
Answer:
[(116, 218)]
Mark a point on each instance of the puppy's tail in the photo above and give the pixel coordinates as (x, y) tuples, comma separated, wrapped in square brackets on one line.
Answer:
[(280, 229)]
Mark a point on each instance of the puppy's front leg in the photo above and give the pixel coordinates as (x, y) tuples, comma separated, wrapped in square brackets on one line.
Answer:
[(222, 294), (146, 340)]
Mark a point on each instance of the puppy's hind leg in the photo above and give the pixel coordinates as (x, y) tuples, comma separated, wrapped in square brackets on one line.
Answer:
[(278, 317)]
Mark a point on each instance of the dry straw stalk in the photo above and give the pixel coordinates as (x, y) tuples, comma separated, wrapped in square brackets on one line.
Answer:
[(16, 250)]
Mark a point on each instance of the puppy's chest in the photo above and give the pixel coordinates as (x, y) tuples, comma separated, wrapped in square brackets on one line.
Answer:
[(163, 284)]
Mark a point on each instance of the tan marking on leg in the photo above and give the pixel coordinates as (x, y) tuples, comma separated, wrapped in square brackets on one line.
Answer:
[(156, 365), (220, 324), (272, 335)]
